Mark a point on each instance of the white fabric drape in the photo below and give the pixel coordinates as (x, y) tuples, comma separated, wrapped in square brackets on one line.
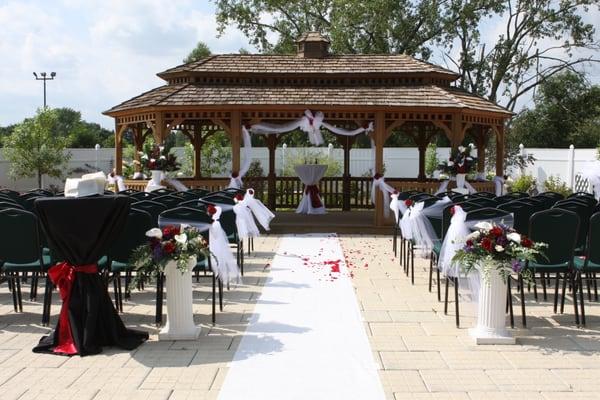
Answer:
[(395, 207), (405, 227), (387, 190), (499, 185), (444, 186), (592, 174), (310, 175), (223, 262), (422, 231), (246, 227), (235, 179), (180, 187), (262, 214), (118, 181)]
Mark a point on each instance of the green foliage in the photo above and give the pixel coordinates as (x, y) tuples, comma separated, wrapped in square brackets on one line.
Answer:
[(567, 111), (555, 184), (216, 153), (33, 150), (255, 169), (334, 168), (200, 51), (523, 184), (431, 159)]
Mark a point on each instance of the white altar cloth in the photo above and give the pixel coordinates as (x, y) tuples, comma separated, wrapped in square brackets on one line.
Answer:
[(310, 175)]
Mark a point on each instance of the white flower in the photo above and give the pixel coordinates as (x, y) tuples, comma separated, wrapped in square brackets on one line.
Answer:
[(181, 238), (155, 233), (469, 158), (450, 163), (473, 235), (161, 148), (499, 248), (152, 160), (163, 157), (514, 237), (471, 145), (461, 149), (144, 156), (484, 225)]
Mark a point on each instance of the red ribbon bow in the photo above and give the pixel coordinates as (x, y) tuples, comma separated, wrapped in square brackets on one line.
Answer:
[(313, 192), (63, 276)]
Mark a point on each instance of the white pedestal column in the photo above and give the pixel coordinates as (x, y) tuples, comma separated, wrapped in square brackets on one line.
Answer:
[(180, 317), (155, 180), (491, 317)]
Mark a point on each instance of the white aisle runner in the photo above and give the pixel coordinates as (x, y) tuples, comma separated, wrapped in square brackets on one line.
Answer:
[(306, 339)]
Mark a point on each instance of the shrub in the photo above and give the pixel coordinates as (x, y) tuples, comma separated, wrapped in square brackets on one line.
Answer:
[(334, 167), (555, 184), (524, 183), (431, 159)]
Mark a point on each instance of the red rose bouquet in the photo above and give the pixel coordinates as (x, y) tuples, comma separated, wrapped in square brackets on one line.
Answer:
[(171, 243), (493, 246), (158, 158), (460, 162)]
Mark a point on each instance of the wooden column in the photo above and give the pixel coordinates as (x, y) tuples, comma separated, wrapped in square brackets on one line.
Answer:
[(500, 150), (119, 129), (272, 141), (138, 145), (346, 142), (457, 134), (197, 142), (235, 135), (379, 137), (158, 130)]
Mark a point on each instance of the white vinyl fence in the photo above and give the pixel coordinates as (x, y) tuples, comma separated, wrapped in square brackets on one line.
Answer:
[(399, 162)]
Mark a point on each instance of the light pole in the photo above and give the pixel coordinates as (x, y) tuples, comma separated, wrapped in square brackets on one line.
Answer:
[(44, 77), (97, 148)]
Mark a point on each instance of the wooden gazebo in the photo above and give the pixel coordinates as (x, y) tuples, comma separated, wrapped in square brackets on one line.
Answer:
[(396, 92)]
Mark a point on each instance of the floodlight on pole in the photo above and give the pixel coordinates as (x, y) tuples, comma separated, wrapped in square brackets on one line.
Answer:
[(44, 77)]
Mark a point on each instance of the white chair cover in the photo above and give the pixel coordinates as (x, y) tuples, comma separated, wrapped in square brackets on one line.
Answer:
[(262, 214), (223, 262), (422, 231)]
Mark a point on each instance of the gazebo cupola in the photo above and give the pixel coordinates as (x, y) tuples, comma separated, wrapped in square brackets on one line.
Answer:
[(313, 45)]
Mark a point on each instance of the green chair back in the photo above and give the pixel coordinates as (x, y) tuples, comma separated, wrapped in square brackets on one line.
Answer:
[(486, 214), (128, 192), (28, 202), (41, 192), (407, 194), (19, 237), (521, 214), (593, 247), (11, 194), (537, 203), (584, 213), (553, 195), (143, 196), (487, 195), (517, 195), (186, 215), (163, 191), (183, 196), (132, 235), (227, 218), (218, 198), (484, 201), (587, 200), (169, 201), (151, 207), (557, 228), (193, 204), (505, 199), (9, 204), (421, 197), (199, 192), (447, 214)]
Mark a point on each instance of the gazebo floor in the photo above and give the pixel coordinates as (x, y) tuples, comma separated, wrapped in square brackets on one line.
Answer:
[(362, 221)]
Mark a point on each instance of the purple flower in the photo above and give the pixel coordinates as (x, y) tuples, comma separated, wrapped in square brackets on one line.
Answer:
[(157, 253), (502, 241), (516, 266)]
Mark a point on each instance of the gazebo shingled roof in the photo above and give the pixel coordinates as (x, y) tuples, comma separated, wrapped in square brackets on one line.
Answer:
[(233, 89)]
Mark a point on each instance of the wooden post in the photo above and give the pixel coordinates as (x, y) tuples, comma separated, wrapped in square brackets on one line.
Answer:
[(198, 143), (235, 134), (347, 142), (119, 129), (480, 142), (379, 137), (457, 134), (500, 150), (138, 145), (159, 129), (271, 178), (422, 146)]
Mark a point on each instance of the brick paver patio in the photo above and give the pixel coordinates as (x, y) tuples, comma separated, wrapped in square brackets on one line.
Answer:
[(421, 353)]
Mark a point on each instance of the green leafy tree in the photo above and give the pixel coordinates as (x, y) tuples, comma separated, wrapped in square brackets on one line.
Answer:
[(33, 149), (354, 26), (541, 39), (216, 153), (431, 159), (200, 51), (567, 111)]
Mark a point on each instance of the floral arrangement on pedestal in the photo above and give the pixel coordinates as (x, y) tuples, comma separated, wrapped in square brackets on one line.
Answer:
[(497, 247), (158, 158), (461, 161), (178, 244)]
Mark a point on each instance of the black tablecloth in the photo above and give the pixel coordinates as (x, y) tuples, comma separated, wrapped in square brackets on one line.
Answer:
[(81, 230)]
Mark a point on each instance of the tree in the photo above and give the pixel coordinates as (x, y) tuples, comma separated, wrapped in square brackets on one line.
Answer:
[(567, 111), (80, 133), (32, 149), (354, 26), (200, 51), (540, 40)]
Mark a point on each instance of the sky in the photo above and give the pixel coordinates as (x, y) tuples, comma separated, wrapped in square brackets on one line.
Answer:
[(106, 51)]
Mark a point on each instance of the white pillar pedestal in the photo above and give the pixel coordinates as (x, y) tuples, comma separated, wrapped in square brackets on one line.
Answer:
[(155, 180), (180, 317), (491, 317)]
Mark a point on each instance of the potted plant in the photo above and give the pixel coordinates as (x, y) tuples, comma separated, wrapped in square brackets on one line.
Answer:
[(495, 251), (173, 251)]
